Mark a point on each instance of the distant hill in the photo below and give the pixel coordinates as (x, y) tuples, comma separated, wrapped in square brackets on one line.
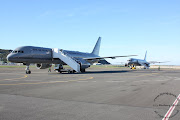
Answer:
[(3, 54)]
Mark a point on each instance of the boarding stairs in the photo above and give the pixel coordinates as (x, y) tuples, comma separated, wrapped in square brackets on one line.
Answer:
[(73, 63)]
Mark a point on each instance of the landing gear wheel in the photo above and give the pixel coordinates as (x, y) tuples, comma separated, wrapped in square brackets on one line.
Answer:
[(28, 72), (83, 70), (59, 71)]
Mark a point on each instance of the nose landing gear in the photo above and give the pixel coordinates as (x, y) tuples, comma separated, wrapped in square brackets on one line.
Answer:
[(27, 69), (28, 72)]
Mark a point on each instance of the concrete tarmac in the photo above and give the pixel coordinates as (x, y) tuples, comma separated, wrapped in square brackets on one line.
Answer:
[(99, 94)]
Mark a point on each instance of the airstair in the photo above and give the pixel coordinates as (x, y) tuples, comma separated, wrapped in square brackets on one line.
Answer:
[(73, 63)]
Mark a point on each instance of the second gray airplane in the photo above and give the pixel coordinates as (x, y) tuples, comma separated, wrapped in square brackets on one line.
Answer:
[(133, 62)]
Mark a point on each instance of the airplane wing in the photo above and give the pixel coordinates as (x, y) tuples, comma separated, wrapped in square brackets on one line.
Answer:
[(153, 62), (112, 57)]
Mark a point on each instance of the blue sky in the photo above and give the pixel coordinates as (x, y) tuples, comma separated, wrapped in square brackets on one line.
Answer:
[(126, 26)]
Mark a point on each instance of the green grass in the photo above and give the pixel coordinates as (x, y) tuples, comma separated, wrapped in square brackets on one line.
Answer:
[(14, 66)]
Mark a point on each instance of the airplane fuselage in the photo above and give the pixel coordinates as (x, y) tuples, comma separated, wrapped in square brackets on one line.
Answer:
[(138, 62), (31, 54)]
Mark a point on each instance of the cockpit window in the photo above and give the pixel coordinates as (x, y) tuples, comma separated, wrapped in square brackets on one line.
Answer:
[(15, 51)]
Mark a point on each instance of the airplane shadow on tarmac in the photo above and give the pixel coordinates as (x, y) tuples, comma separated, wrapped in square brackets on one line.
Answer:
[(101, 72)]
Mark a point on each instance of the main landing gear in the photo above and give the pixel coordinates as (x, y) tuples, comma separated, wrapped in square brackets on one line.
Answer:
[(27, 69), (83, 70)]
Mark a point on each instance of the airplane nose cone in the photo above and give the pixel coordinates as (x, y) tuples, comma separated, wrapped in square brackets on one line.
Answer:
[(9, 57)]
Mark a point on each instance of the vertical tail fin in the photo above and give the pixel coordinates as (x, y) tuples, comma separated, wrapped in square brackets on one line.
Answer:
[(145, 55), (97, 47)]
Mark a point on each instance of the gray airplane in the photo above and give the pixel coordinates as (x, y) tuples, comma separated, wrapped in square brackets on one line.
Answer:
[(45, 57), (133, 62)]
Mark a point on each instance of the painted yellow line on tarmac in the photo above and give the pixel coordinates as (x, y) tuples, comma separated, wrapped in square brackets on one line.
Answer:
[(48, 82), (25, 76)]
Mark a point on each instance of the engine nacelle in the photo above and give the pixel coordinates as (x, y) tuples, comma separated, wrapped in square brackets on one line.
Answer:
[(42, 66)]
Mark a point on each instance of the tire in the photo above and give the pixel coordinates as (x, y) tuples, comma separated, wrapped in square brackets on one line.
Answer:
[(83, 70), (28, 72)]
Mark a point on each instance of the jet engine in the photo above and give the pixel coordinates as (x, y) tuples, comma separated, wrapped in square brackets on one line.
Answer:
[(42, 66)]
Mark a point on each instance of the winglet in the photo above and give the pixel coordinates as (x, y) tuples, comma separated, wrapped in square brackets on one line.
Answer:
[(97, 47), (145, 55)]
